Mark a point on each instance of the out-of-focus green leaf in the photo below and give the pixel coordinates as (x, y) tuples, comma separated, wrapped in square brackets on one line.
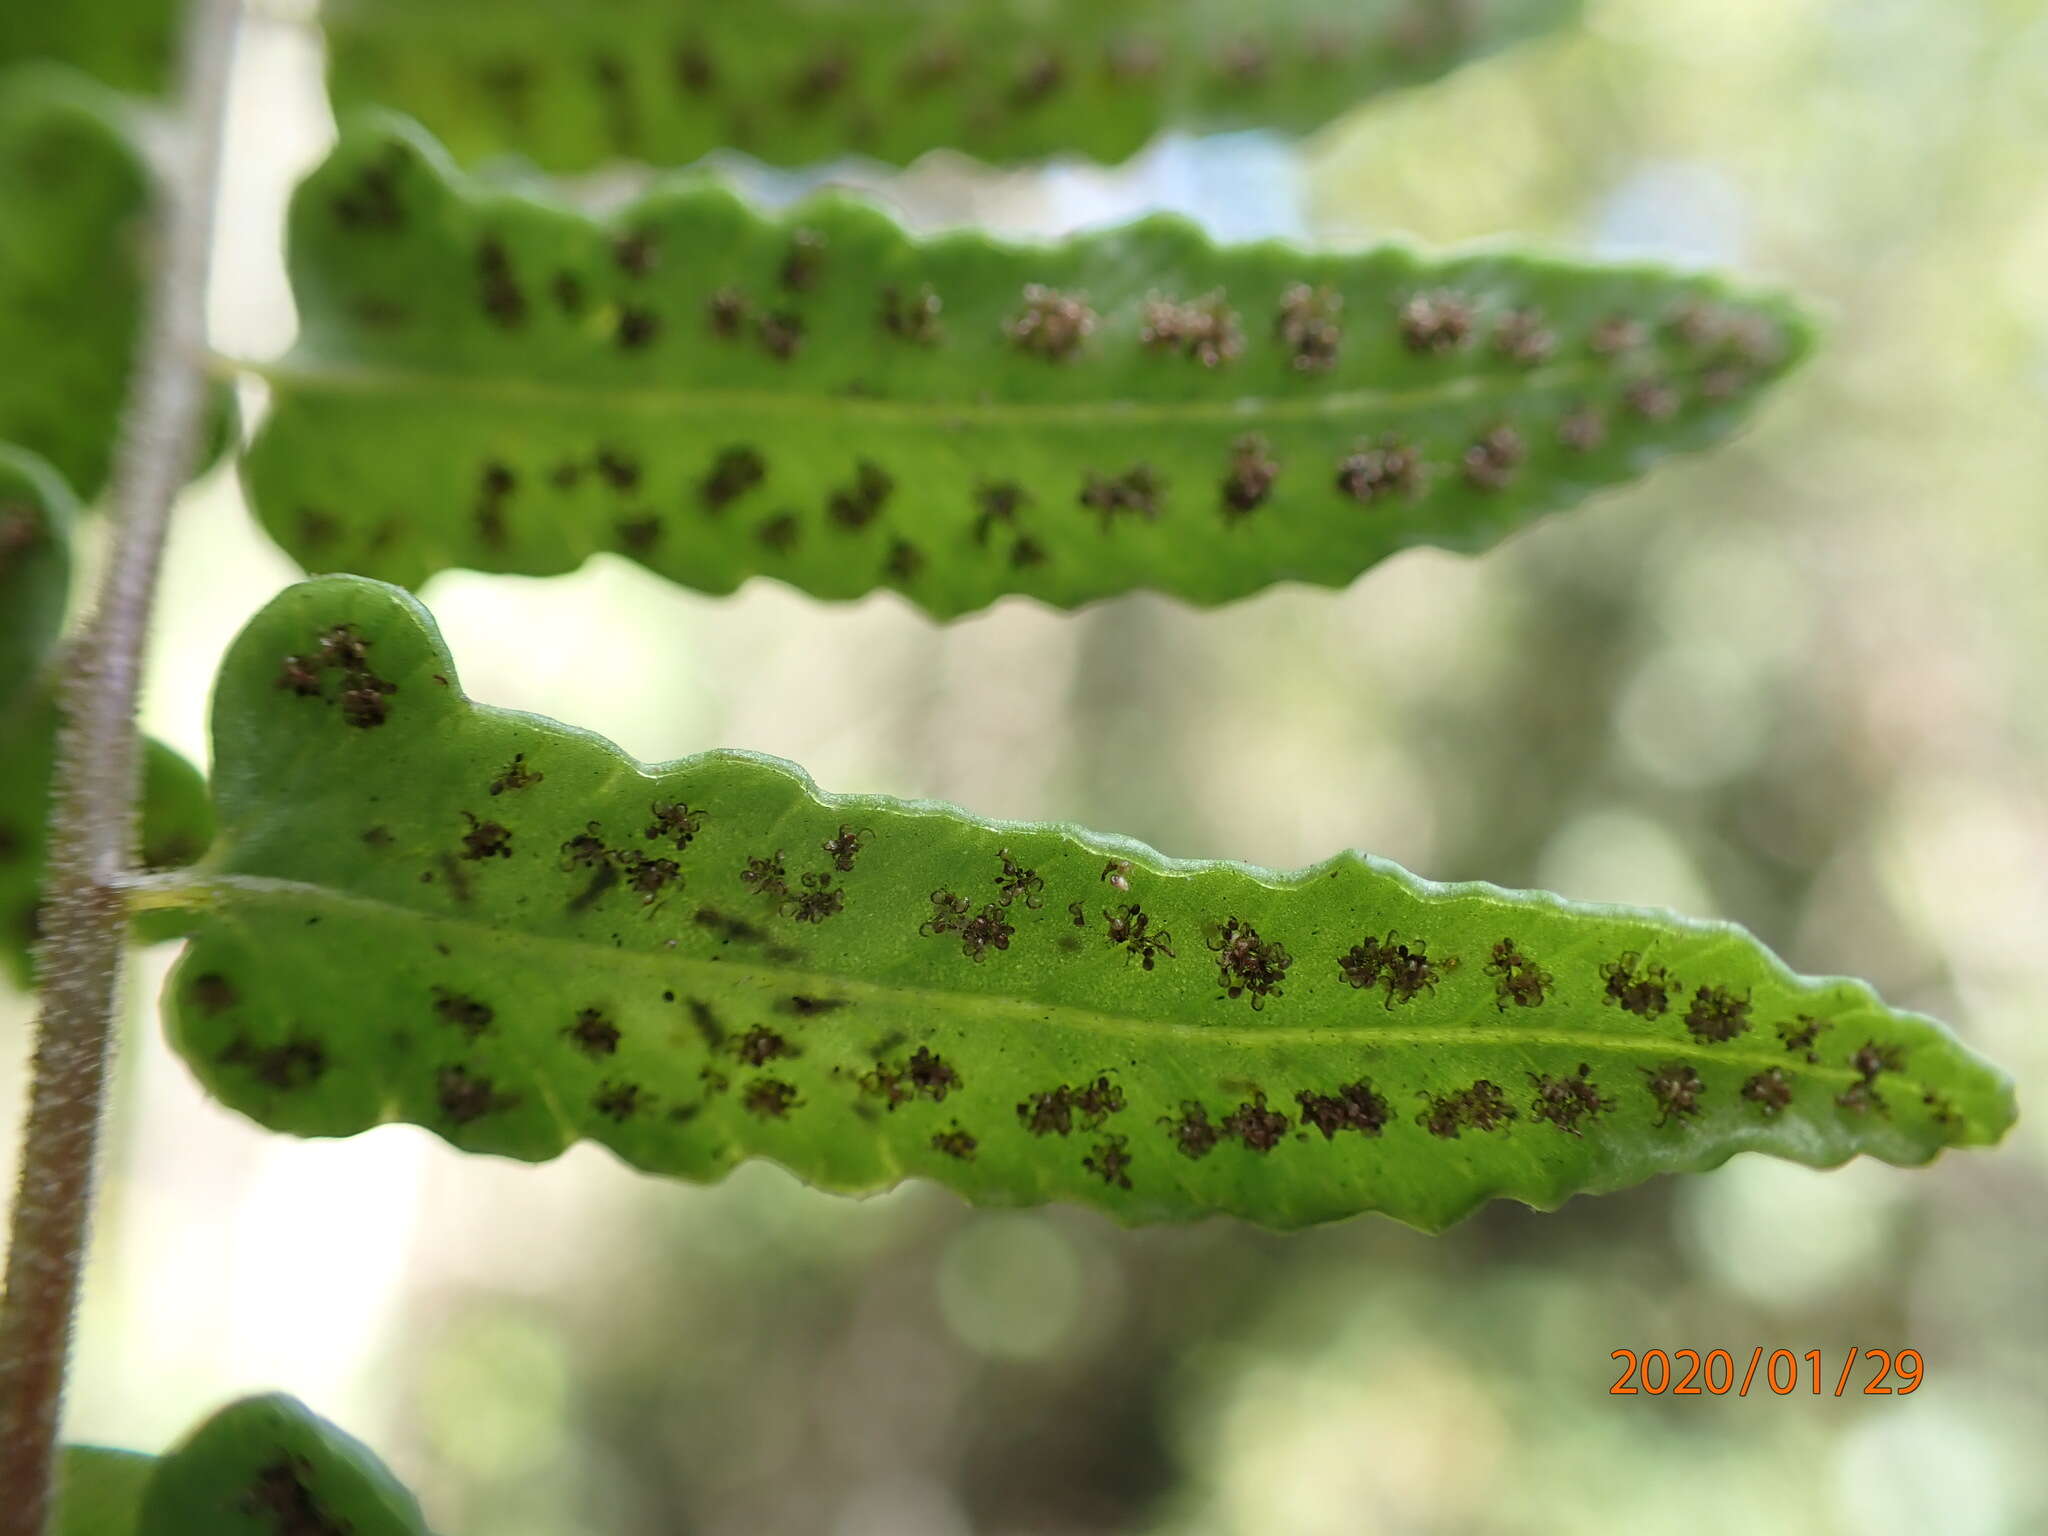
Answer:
[(99, 1492), (572, 83), (126, 44), (485, 380), (501, 928), (269, 1466), (177, 824), (36, 514), (73, 200)]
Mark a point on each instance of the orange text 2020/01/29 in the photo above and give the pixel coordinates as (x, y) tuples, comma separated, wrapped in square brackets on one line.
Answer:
[(1780, 1372)]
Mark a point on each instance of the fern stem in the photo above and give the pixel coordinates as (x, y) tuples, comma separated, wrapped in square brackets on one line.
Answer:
[(93, 820)]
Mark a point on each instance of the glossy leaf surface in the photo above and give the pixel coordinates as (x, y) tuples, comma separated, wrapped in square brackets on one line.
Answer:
[(484, 380), (424, 909), (573, 83)]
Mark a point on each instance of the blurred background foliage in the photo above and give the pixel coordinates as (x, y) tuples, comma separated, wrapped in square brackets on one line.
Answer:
[(1794, 684)]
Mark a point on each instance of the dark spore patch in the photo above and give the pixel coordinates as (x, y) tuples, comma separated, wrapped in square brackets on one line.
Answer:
[(1632, 986), (464, 1013), (695, 71), (1437, 322), (1308, 326), (802, 261), (1481, 1107), (1374, 472), (619, 470), (486, 840), (1193, 1133), (1131, 926), (282, 1497), (1717, 1014), (618, 1102), (726, 313), (1016, 883), (1862, 1099), (1259, 1128), (780, 533), (515, 775), (997, 501), (1051, 325), (931, 1076), (955, 1143), (761, 1045), (1491, 461), (1037, 80), (1770, 1091), (592, 1033), (844, 846), (904, 562), (1566, 1102), (465, 1096), (1204, 330), (295, 1064), (855, 505), (1403, 971), (637, 252), (886, 1083), (781, 334), (912, 317), (1109, 1161), (1353, 1107), (1248, 483), (1801, 1035), (673, 822), (638, 535), (1871, 1059), (1048, 1113), (211, 993), (1248, 965), (1027, 554), (567, 289), (637, 327), (979, 932), (770, 1098), (1677, 1089), (370, 200), (815, 900), (1137, 492), (1517, 979), (498, 291), (736, 471)]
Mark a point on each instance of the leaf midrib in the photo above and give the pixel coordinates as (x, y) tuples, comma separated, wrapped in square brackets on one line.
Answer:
[(220, 891), (516, 389)]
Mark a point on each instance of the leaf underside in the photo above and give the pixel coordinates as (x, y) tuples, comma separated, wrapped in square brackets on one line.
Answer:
[(99, 1491), (573, 84), (484, 380), (73, 196), (268, 1466), (503, 929), (36, 516), (177, 824)]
